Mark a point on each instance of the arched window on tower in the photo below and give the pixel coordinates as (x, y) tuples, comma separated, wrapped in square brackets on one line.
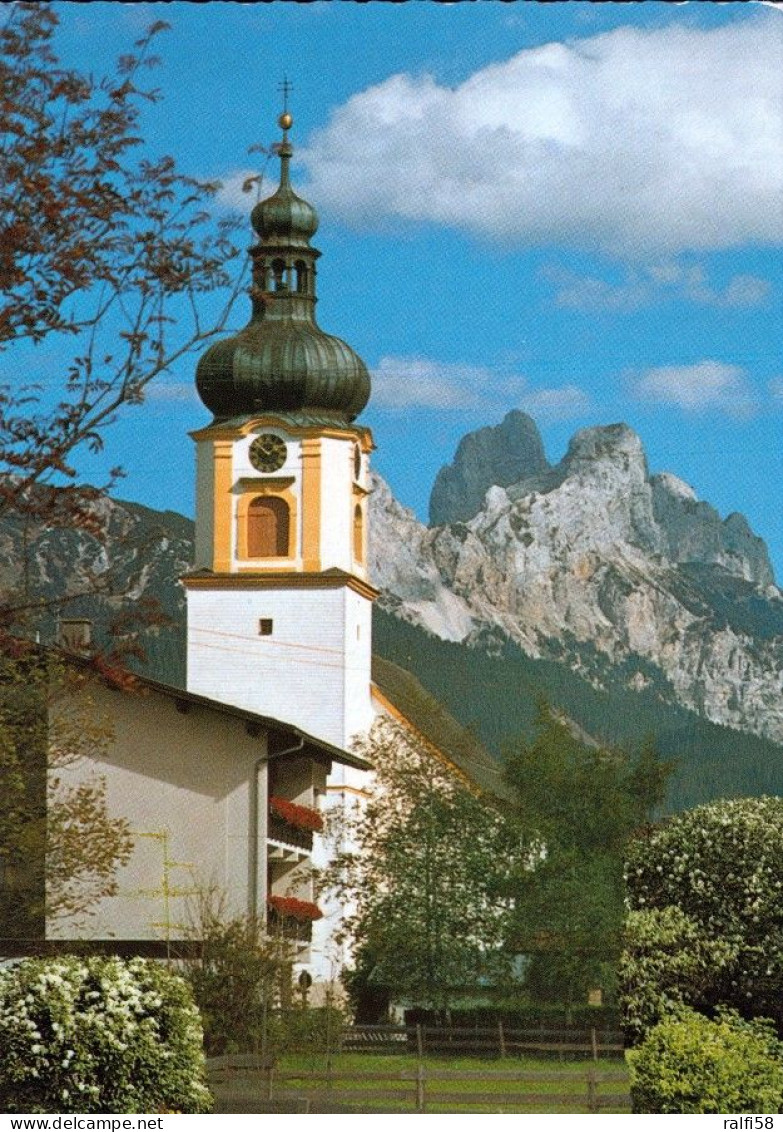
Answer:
[(278, 274), (268, 521), (301, 276), (358, 533)]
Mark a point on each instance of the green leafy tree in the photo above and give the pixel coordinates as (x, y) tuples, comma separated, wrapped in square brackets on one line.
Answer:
[(719, 866), (106, 253), (583, 802), (237, 976), (426, 876)]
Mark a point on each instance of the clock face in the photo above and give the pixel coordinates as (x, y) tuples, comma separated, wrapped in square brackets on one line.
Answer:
[(267, 452)]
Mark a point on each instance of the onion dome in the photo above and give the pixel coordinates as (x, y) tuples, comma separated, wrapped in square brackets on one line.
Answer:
[(282, 361)]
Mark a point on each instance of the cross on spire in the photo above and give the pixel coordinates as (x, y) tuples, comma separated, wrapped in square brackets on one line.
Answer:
[(285, 88)]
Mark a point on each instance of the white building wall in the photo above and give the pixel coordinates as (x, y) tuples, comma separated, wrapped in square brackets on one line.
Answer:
[(296, 675), (336, 504), (358, 665), (183, 782)]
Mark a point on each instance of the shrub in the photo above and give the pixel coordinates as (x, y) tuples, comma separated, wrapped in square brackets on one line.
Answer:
[(689, 1064), (306, 1029), (237, 978), (99, 1035), (720, 865), (669, 962)]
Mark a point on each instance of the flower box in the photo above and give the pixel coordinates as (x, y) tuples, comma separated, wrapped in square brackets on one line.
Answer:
[(289, 907), (300, 817)]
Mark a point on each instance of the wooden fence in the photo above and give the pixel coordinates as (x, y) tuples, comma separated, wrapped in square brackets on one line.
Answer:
[(486, 1041), (255, 1083)]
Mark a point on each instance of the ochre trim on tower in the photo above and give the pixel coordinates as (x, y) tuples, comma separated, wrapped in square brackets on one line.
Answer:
[(311, 503), (361, 435), (222, 455), (279, 580)]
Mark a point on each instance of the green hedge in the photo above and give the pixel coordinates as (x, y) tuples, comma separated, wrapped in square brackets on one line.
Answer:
[(99, 1035), (690, 1064)]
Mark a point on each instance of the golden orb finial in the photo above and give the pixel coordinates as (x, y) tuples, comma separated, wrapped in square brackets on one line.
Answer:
[(285, 121)]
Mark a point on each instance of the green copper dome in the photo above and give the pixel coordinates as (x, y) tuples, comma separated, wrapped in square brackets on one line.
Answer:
[(282, 361)]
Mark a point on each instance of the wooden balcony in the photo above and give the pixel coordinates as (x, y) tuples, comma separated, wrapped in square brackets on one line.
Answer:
[(287, 834)]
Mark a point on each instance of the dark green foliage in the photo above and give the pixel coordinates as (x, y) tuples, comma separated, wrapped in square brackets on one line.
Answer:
[(583, 802), (369, 1001), (236, 981), (23, 743), (305, 1029), (689, 1064)]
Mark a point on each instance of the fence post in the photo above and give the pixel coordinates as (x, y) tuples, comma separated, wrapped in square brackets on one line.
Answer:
[(419, 1040), (592, 1091), (501, 1038), (594, 1043), (269, 1071), (421, 1105)]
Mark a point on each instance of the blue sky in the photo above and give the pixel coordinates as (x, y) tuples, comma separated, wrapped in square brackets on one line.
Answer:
[(572, 208)]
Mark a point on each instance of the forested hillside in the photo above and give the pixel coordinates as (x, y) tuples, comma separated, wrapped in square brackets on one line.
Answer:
[(499, 694)]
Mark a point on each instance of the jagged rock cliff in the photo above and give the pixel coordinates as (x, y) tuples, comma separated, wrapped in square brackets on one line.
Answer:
[(491, 456), (594, 558)]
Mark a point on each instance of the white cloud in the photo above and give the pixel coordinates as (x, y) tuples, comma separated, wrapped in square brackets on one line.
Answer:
[(168, 391), (423, 383), (587, 293), (638, 142), (698, 388), (654, 283), (556, 404), (403, 383), (745, 291)]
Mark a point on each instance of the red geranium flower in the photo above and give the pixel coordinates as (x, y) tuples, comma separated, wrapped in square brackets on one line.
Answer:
[(293, 909), (300, 817)]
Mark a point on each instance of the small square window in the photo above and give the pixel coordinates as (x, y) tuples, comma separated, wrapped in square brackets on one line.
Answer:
[(265, 627)]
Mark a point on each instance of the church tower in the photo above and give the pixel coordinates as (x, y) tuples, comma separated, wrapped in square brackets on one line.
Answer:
[(279, 602)]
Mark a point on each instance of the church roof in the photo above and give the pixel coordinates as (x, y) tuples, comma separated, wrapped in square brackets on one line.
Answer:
[(282, 360), (433, 723)]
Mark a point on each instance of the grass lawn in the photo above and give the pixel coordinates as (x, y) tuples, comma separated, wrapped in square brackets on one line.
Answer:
[(534, 1085)]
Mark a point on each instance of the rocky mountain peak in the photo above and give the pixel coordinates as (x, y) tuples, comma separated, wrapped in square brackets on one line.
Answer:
[(592, 558), (693, 532), (614, 444), (490, 457)]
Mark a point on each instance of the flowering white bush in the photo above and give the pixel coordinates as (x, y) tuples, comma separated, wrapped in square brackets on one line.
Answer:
[(99, 1035), (721, 865)]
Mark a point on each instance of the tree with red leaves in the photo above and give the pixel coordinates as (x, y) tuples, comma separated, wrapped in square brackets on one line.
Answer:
[(104, 253)]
